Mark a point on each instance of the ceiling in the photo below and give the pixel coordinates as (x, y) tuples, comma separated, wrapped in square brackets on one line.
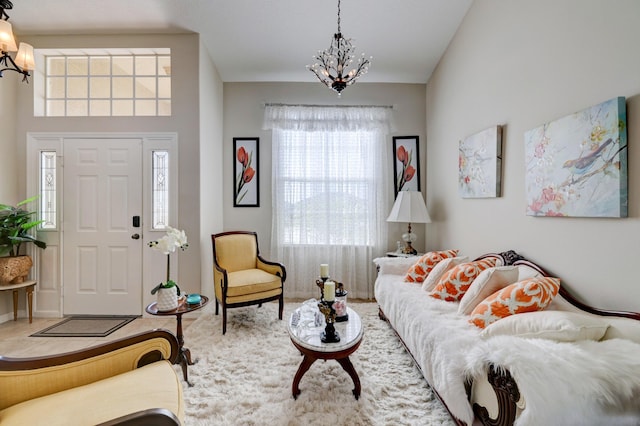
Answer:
[(268, 40)]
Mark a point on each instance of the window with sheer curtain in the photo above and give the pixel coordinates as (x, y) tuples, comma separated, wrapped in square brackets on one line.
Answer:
[(331, 193)]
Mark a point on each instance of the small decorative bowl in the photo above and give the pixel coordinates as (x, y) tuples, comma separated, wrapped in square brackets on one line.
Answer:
[(193, 299)]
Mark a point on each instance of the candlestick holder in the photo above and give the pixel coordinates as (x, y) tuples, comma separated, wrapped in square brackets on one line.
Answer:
[(329, 335), (320, 284)]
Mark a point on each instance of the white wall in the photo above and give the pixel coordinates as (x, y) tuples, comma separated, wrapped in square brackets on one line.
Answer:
[(211, 165), (521, 63), (10, 89), (243, 117)]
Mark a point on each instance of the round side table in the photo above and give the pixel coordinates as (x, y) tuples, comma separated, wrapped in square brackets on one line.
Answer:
[(183, 308), (306, 338)]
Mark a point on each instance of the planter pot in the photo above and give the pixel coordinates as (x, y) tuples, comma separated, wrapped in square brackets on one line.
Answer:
[(167, 299), (14, 270)]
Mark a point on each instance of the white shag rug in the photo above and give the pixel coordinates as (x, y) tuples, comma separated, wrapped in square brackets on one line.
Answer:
[(245, 376)]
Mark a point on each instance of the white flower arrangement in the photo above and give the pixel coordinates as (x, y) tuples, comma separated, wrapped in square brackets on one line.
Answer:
[(169, 243)]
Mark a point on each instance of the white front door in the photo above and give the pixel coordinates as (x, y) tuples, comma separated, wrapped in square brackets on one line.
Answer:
[(102, 255)]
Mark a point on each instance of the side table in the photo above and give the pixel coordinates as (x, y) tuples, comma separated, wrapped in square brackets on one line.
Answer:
[(183, 308), (306, 338), (396, 254), (28, 285)]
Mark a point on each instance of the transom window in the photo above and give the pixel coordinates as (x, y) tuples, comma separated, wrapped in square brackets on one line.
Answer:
[(103, 83)]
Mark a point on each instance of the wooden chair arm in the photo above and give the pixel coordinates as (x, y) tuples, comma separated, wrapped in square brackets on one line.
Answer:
[(151, 417), (274, 268), (17, 364)]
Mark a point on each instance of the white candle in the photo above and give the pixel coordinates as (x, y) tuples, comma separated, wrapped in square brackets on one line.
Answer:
[(329, 291), (324, 270)]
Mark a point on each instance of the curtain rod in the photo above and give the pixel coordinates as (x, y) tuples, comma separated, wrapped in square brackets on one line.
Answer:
[(266, 104)]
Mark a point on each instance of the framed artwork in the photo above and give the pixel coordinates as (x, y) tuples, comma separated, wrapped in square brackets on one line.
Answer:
[(246, 183), (577, 165), (406, 164), (480, 164)]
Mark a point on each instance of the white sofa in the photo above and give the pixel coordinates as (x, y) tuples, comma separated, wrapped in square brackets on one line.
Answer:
[(569, 364)]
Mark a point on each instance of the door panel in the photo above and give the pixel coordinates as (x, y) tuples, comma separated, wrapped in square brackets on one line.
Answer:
[(102, 192)]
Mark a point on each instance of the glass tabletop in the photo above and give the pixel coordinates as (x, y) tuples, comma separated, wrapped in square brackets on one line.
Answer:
[(305, 329)]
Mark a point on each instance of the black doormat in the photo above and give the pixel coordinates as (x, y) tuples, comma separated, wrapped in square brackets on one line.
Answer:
[(86, 326)]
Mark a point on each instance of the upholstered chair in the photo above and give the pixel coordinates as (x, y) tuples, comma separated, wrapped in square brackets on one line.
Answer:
[(241, 276)]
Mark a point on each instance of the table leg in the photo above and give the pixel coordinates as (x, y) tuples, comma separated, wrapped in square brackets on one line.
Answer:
[(185, 354), (30, 302), (348, 367), (307, 361), (15, 305)]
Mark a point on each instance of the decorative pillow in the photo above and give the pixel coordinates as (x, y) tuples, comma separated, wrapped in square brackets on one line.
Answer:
[(488, 282), (561, 326), (439, 270), (532, 294), (393, 265), (455, 282), (419, 271)]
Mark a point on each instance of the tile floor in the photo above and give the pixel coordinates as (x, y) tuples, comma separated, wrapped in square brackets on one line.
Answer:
[(15, 341)]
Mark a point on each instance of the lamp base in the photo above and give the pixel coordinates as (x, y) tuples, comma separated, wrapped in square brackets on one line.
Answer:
[(408, 249)]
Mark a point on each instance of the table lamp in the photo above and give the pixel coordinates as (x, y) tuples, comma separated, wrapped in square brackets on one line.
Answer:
[(409, 207)]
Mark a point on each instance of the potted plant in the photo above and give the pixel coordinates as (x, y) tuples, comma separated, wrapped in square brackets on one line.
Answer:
[(168, 291), (16, 228)]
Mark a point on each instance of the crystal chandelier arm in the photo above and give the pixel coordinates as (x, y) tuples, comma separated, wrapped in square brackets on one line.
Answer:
[(363, 64)]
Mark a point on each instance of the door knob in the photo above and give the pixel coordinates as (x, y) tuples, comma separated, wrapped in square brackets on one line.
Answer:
[(135, 237)]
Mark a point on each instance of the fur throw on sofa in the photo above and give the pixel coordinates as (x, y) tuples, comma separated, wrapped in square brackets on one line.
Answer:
[(568, 383)]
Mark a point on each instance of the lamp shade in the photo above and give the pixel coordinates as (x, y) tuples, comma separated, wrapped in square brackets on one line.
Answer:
[(24, 57), (7, 42), (409, 207)]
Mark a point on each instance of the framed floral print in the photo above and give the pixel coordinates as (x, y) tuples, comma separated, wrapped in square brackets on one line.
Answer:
[(406, 164), (246, 187)]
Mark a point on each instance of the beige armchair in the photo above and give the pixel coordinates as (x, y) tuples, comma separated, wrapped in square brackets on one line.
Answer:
[(129, 381), (241, 276)]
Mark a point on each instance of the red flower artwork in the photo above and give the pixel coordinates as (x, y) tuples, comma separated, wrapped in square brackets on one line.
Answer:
[(246, 174), (408, 171)]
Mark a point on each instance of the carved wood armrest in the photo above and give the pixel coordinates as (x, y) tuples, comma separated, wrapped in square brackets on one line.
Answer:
[(507, 395)]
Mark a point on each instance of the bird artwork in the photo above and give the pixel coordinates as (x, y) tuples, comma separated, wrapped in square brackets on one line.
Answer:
[(582, 164), (576, 165)]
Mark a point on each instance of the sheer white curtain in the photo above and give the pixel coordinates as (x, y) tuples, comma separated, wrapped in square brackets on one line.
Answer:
[(331, 193)]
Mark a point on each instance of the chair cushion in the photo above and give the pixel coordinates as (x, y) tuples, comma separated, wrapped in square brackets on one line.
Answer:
[(251, 281), (236, 252), (153, 386)]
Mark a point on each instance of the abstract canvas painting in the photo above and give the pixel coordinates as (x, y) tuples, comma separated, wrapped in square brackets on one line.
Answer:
[(480, 164), (577, 165)]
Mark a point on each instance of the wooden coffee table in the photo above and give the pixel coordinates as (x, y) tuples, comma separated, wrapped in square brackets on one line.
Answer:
[(183, 308), (306, 337)]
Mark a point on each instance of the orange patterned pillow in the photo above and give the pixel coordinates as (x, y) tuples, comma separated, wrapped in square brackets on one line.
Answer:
[(419, 271), (456, 281), (530, 295)]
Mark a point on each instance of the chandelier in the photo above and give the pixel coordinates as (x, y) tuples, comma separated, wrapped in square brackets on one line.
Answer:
[(331, 68), (23, 61)]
